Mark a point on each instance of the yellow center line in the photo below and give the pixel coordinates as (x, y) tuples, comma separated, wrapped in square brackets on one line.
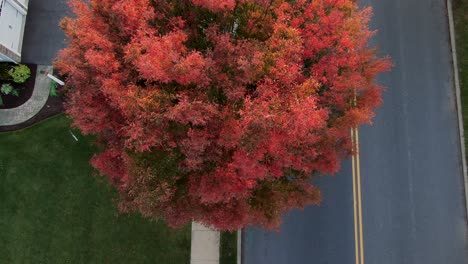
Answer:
[(358, 172), (357, 196), (356, 233)]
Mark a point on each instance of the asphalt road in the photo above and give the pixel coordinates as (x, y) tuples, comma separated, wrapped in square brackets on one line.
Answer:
[(412, 182)]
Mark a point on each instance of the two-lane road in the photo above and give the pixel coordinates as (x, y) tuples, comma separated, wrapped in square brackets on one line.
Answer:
[(413, 208)]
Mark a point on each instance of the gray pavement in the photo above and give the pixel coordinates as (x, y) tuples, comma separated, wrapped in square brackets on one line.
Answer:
[(37, 101), (413, 188), (412, 181), (205, 245), (319, 234), (43, 37)]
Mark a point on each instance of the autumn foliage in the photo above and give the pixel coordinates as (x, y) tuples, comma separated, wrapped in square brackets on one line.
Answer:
[(219, 111)]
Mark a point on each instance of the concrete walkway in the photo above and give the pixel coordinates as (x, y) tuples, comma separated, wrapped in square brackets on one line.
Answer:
[(205, 245), (37, 101)]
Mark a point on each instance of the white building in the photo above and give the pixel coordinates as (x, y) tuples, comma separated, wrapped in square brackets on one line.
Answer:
[(12, 21)]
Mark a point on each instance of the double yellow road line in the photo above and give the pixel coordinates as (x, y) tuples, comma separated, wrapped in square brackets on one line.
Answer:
[(357, 198)]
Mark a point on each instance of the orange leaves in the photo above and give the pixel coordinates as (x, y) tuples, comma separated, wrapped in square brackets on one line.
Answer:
[(219, 111), (308, 88)]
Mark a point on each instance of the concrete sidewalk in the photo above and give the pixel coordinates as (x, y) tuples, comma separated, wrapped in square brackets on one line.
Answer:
[(205, 245)]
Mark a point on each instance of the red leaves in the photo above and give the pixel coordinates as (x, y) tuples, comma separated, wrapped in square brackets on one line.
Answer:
[(131, 15), (111, 163), (216, 5), (216, 115), (192, 112), (165, 59), (102, 63)]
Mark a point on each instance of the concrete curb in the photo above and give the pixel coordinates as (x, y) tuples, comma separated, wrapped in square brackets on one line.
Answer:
[(239, 246), (458, 95)]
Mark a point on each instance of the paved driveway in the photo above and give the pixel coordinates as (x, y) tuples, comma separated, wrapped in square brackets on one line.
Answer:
[(43, 37)]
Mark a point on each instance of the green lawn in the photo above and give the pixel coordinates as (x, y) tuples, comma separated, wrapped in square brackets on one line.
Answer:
[(228, 248), (54, 210), (461, 27)]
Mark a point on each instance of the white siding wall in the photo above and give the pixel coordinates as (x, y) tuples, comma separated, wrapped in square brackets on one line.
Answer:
[(12, 21)]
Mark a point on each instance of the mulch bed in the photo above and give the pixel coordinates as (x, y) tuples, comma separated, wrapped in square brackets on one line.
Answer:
[(53, 106), (25, 90)]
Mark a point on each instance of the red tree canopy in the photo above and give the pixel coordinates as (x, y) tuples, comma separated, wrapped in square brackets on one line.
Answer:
[(219, 111)]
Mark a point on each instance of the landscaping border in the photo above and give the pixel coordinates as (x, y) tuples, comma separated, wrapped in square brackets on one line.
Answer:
[(52, 107)]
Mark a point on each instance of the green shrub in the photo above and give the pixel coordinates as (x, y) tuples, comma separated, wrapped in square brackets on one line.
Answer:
[(8, 89), (53, 89), (20, 73)]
